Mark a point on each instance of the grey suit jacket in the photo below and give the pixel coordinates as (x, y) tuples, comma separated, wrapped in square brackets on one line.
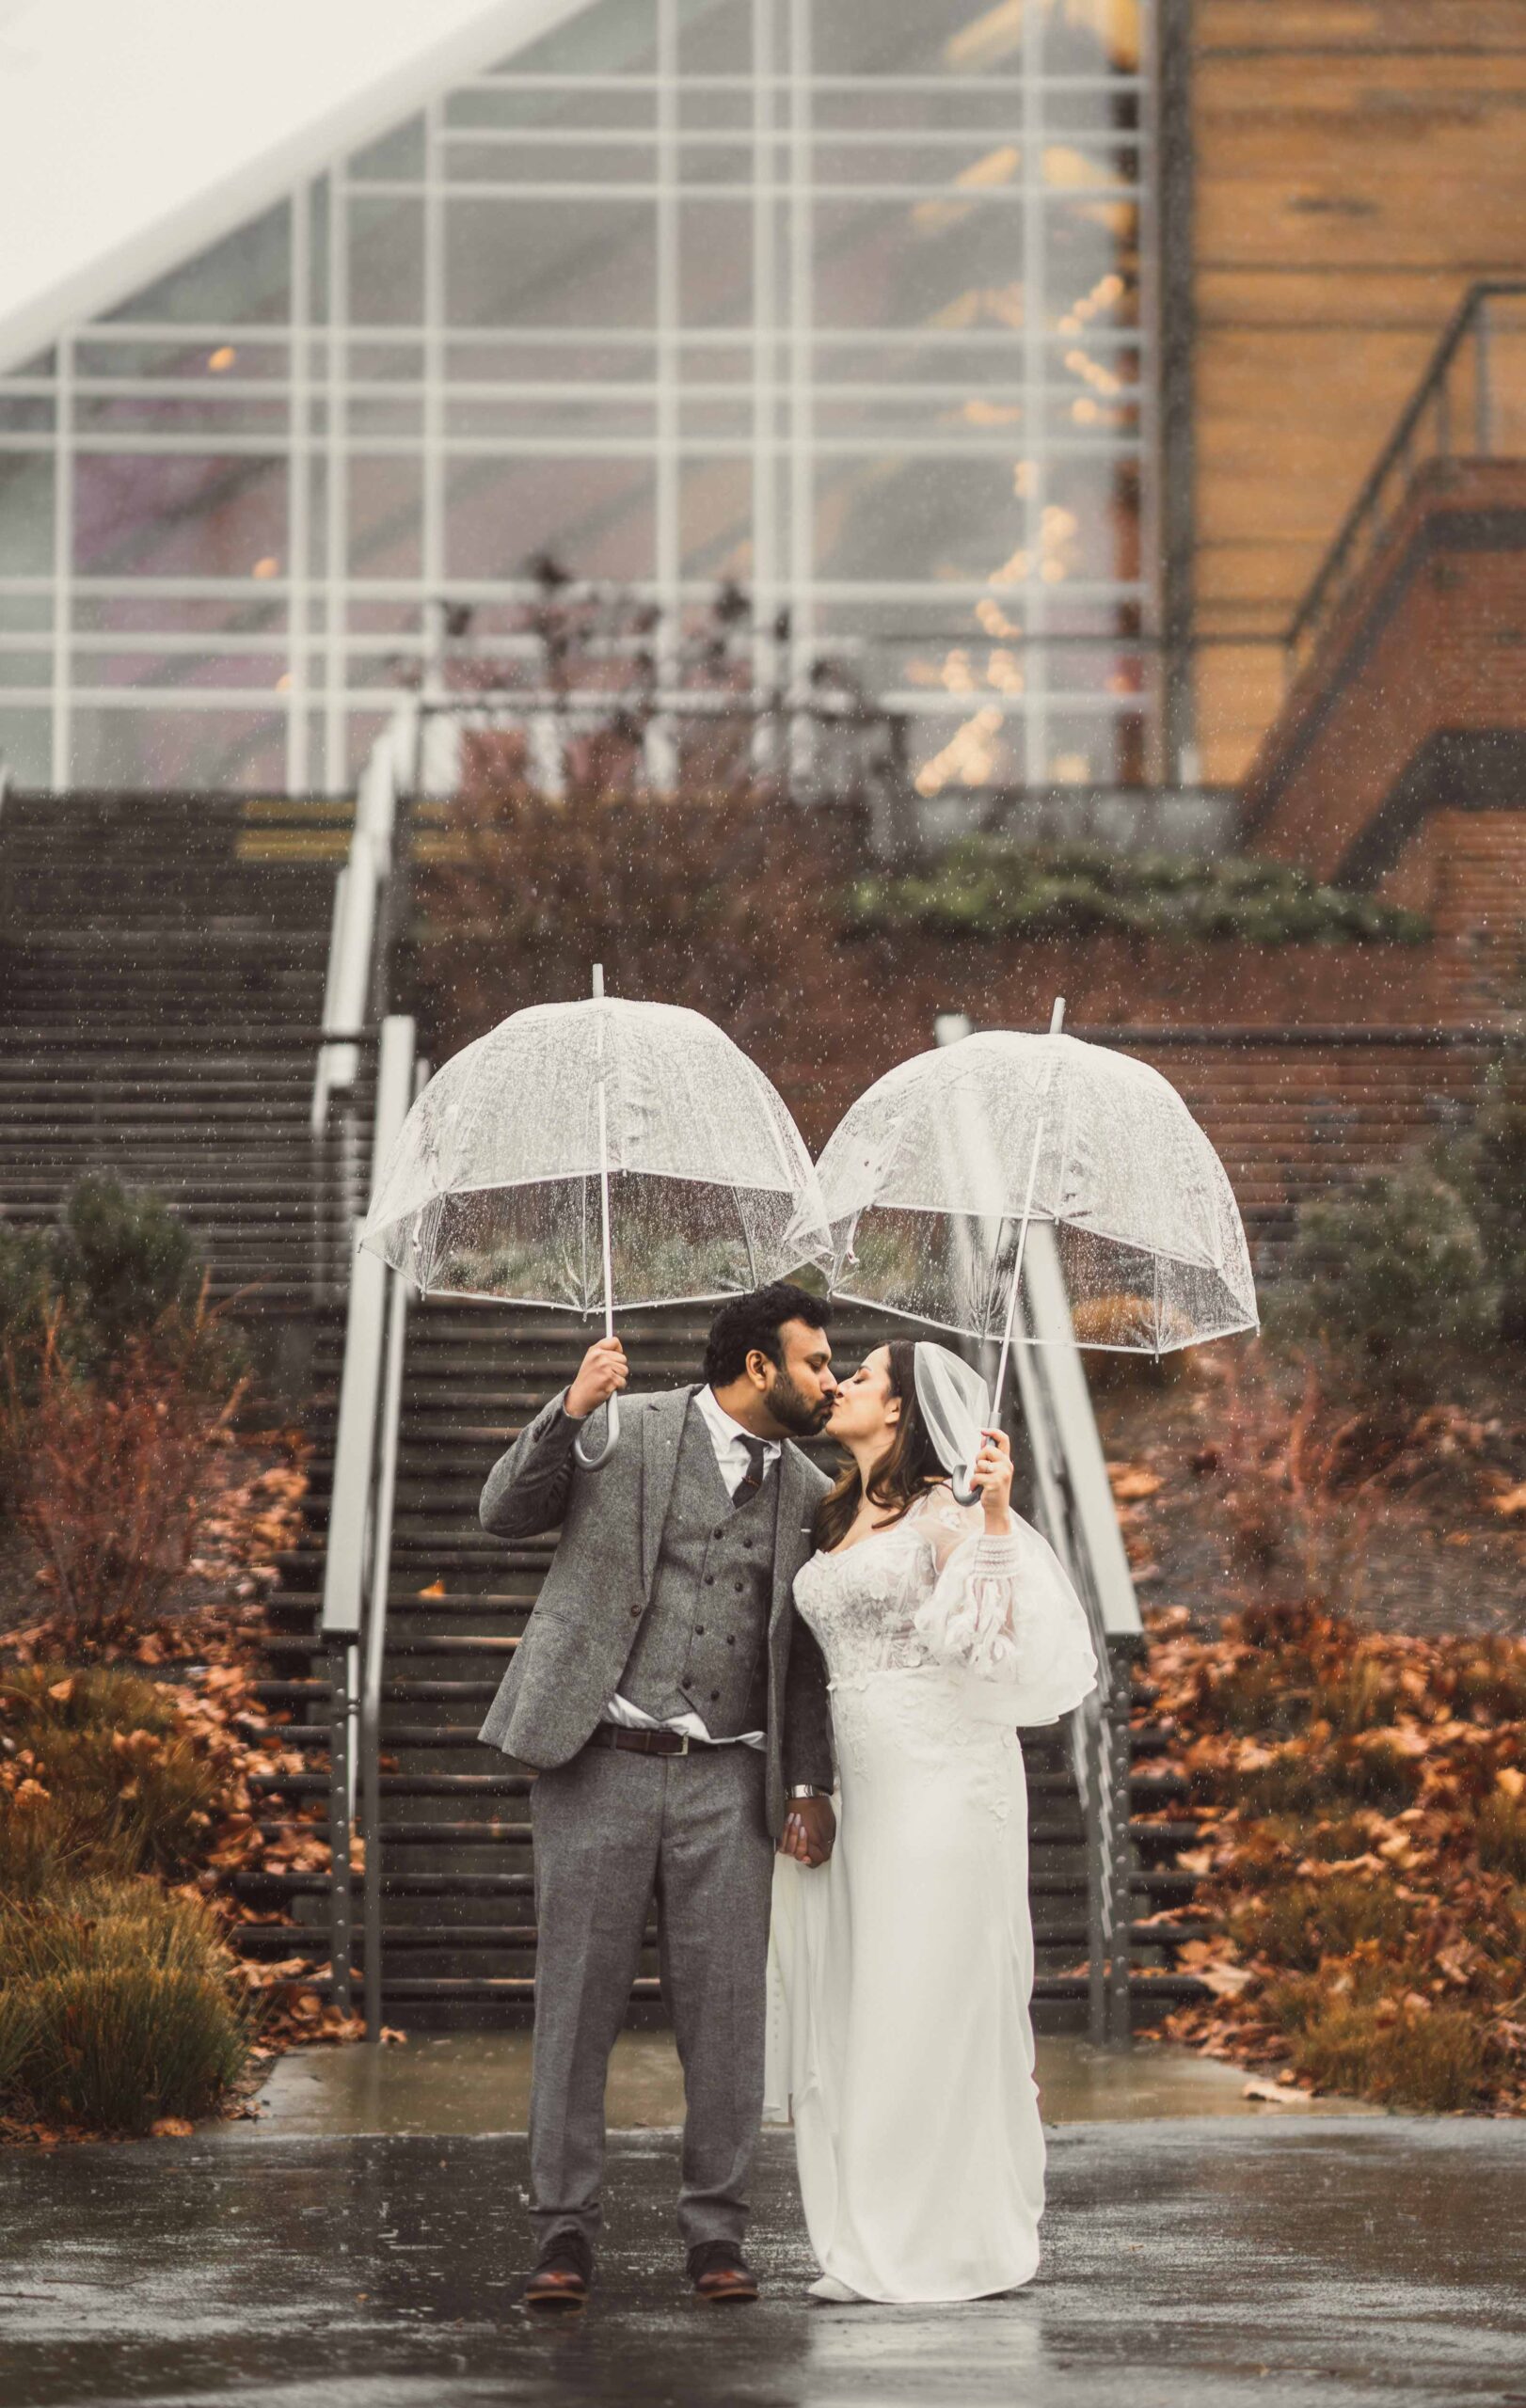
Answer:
[(568, 1663)]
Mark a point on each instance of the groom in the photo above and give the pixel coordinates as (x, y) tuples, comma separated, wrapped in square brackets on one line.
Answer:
[(672, 1702)]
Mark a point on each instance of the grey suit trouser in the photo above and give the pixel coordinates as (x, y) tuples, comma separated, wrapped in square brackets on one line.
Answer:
[(613, 1830)]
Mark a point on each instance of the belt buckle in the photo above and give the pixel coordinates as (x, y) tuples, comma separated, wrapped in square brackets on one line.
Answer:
[(685, 1743)]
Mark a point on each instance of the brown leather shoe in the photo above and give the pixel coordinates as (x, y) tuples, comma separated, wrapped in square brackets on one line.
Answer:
[(562, 2272), (721, 2274)]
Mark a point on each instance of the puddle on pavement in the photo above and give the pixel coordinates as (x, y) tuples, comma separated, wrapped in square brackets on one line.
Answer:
[(479, 2082)]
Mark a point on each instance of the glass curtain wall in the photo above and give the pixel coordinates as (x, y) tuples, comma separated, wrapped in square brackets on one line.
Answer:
[(843, 300)]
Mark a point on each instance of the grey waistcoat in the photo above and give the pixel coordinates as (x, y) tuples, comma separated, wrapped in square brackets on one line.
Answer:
[(701, 1644), (577, 1642)]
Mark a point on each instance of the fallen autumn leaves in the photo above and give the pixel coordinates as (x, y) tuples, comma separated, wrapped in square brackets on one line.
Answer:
[(1361, 1807)]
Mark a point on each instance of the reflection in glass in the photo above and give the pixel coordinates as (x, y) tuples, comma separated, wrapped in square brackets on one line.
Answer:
[(845, 306)]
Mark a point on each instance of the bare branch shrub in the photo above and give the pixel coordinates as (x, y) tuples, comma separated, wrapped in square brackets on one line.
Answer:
[(112, 1479)]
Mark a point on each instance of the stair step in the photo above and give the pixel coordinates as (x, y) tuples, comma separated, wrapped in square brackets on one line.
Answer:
[(396, 1785), (444, 1644), (288, 1940), (1165, 1835), (486, 1986), (398, 1885)]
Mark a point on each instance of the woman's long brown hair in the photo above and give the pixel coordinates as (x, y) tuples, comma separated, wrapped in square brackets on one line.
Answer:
[(904, 1473)]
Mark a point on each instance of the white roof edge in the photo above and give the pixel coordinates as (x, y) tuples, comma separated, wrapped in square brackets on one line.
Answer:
[(132, 136)]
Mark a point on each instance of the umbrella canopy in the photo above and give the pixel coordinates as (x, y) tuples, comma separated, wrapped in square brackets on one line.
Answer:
[(930, 1179), (497, 1184)]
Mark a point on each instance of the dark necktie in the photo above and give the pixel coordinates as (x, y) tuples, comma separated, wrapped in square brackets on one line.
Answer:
[(752, 1479)]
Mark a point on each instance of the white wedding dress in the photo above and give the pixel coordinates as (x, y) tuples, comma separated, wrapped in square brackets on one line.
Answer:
[(900, 1971)]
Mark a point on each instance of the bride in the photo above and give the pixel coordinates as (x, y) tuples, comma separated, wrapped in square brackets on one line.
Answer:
[(900, 1971)]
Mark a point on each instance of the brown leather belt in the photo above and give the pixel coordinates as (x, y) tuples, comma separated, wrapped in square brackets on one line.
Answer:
[(642, 1743)]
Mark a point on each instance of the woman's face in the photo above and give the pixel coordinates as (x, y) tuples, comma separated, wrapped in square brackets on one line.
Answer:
[(865, 1409)]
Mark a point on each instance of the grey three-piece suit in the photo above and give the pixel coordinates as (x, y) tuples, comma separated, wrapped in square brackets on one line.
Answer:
[(664, 1590)]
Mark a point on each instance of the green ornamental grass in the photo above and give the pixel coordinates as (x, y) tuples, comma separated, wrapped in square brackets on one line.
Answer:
[(121, 2005)]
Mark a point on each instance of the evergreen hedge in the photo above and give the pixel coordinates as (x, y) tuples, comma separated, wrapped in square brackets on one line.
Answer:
[(992, 887)]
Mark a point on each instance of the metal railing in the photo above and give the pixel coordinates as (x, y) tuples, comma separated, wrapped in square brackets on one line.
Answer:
[(1470, 405), (812, 748), (357, 1557), (359, 891), (1077, 1513)]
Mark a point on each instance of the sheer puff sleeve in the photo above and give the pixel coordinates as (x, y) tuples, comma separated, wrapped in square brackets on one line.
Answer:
[(1005, 1608)]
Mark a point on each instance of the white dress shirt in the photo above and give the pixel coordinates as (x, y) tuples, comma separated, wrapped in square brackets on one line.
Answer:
[(729, 1440)]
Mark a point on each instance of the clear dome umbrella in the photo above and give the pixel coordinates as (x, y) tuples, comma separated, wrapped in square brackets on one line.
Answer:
[(595, 1155), (933, 1178)]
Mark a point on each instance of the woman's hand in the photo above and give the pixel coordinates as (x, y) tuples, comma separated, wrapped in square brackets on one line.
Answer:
[(810, 1828), (993, 1473), (602, 1373)]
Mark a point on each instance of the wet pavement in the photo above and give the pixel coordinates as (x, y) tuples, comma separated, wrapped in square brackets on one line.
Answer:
[(479, 2082), (1216, 2260)]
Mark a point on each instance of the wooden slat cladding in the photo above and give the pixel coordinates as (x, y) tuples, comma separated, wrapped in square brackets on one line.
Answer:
[(1356, 168)]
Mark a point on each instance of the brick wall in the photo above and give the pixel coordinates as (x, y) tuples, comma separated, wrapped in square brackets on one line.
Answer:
[(1309, 1066), (1356, 165), (1418, 687), (1467, 870)]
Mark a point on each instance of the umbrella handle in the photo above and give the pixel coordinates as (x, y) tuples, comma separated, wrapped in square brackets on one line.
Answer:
[(612, 1439), (592, 1463), (964, 1492)]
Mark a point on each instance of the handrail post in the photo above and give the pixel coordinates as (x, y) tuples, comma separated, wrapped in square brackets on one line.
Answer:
[(402, 1072), (1119, 1756), (341, 1757), (353, 1533), (375, 1649), (1080, 1520), (1086, 1748)]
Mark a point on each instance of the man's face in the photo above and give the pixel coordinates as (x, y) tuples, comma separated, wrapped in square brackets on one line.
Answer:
[(799, 1393)]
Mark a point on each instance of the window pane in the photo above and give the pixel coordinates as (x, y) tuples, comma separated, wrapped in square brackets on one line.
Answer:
[(597, 517), (245, 277), (387, 262), (216, 516), (555, 262), (26, 497)]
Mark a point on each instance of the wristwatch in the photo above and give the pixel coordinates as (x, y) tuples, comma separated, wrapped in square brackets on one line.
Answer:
[(806, 1789)]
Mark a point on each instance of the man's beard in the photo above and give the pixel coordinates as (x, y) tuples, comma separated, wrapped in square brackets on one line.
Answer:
[(803, 1415)]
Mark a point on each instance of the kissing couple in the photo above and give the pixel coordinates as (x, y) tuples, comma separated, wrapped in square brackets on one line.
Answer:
[(754, 1695)]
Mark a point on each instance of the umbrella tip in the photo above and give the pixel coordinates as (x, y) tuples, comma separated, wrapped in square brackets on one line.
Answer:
[(599, 981), (1057, 1018)]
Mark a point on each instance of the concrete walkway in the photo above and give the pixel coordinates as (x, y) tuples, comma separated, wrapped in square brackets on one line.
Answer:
[(479, 2082), (1322, 2264)]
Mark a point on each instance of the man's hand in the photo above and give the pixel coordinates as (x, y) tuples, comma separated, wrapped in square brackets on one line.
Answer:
[(810, 1828), (602, 1373)]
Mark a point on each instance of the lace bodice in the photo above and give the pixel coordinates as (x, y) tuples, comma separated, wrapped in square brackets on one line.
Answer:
[(936, 1591)]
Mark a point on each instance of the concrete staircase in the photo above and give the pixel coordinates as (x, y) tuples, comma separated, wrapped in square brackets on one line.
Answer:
[(162, 969), (458, 1938), (162, 975)]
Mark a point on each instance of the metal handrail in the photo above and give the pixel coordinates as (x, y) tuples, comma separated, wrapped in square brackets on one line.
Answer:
[(1469, 323), (374, 1652), (355, 1521), (358, 888), (1077, 1513), (1074, 1502)]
